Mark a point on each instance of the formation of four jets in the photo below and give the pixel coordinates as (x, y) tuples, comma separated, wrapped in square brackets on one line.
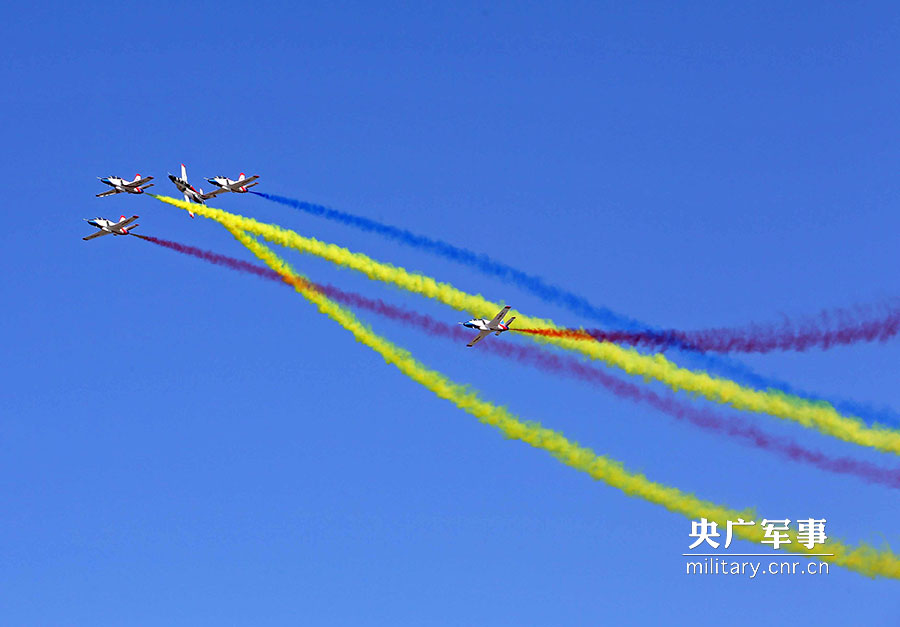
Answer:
[(224, 184), (139, 184)]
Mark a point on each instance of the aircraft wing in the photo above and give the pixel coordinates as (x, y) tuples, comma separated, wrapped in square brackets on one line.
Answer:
[(181, 186), (140, 183), (93, 235), (109, 193), (213, 193), (244, 182), (499, 316), (481, 335)]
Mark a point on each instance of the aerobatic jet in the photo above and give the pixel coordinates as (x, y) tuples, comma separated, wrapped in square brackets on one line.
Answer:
[(120, 185), (190, 193), (109, 227), (486, 327), (239, 186)]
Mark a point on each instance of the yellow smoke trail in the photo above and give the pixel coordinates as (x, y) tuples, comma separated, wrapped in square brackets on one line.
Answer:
[(863, 559), (814, 414)]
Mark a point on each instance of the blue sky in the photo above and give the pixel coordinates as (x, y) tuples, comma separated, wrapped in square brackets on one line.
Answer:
[(184, 445)]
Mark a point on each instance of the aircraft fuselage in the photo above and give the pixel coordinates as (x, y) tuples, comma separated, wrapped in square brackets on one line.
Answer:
[(223, 182), (187, 189), (108, 225), (121, 185), (485, 325)]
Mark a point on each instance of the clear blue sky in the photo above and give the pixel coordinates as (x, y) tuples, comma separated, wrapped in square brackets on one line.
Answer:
[(182, 445)]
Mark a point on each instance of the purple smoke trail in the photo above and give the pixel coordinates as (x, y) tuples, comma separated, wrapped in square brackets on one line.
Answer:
[(557, 364), (840, 327)]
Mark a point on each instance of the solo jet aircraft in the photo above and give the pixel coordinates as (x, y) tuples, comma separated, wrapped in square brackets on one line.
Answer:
[(239, 186), (108, 226), (120, 185), (486, 327), (191, 194)]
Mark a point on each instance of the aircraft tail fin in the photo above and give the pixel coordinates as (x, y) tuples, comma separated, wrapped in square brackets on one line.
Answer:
[(183, 173), (137, 177), (241, 177)]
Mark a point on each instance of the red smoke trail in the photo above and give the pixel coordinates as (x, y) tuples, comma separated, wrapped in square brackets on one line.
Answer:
[(875, 323), (558, 364)]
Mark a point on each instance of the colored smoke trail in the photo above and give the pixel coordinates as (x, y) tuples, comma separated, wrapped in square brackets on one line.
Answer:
[(568, 366), (215, 258), (579, 305), (478, 261), (740, 372), (575, 303), (840, 327), (818, 415), (863, 558)]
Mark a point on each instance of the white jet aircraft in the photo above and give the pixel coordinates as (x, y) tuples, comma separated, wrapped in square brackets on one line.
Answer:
[(191, 194), (108, 226), (486, 327), (120, 185), (239, 186)]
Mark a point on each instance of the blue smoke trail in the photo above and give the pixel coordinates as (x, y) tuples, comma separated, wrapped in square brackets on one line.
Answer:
[(534, 284), (574, 303), (737, 371)]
